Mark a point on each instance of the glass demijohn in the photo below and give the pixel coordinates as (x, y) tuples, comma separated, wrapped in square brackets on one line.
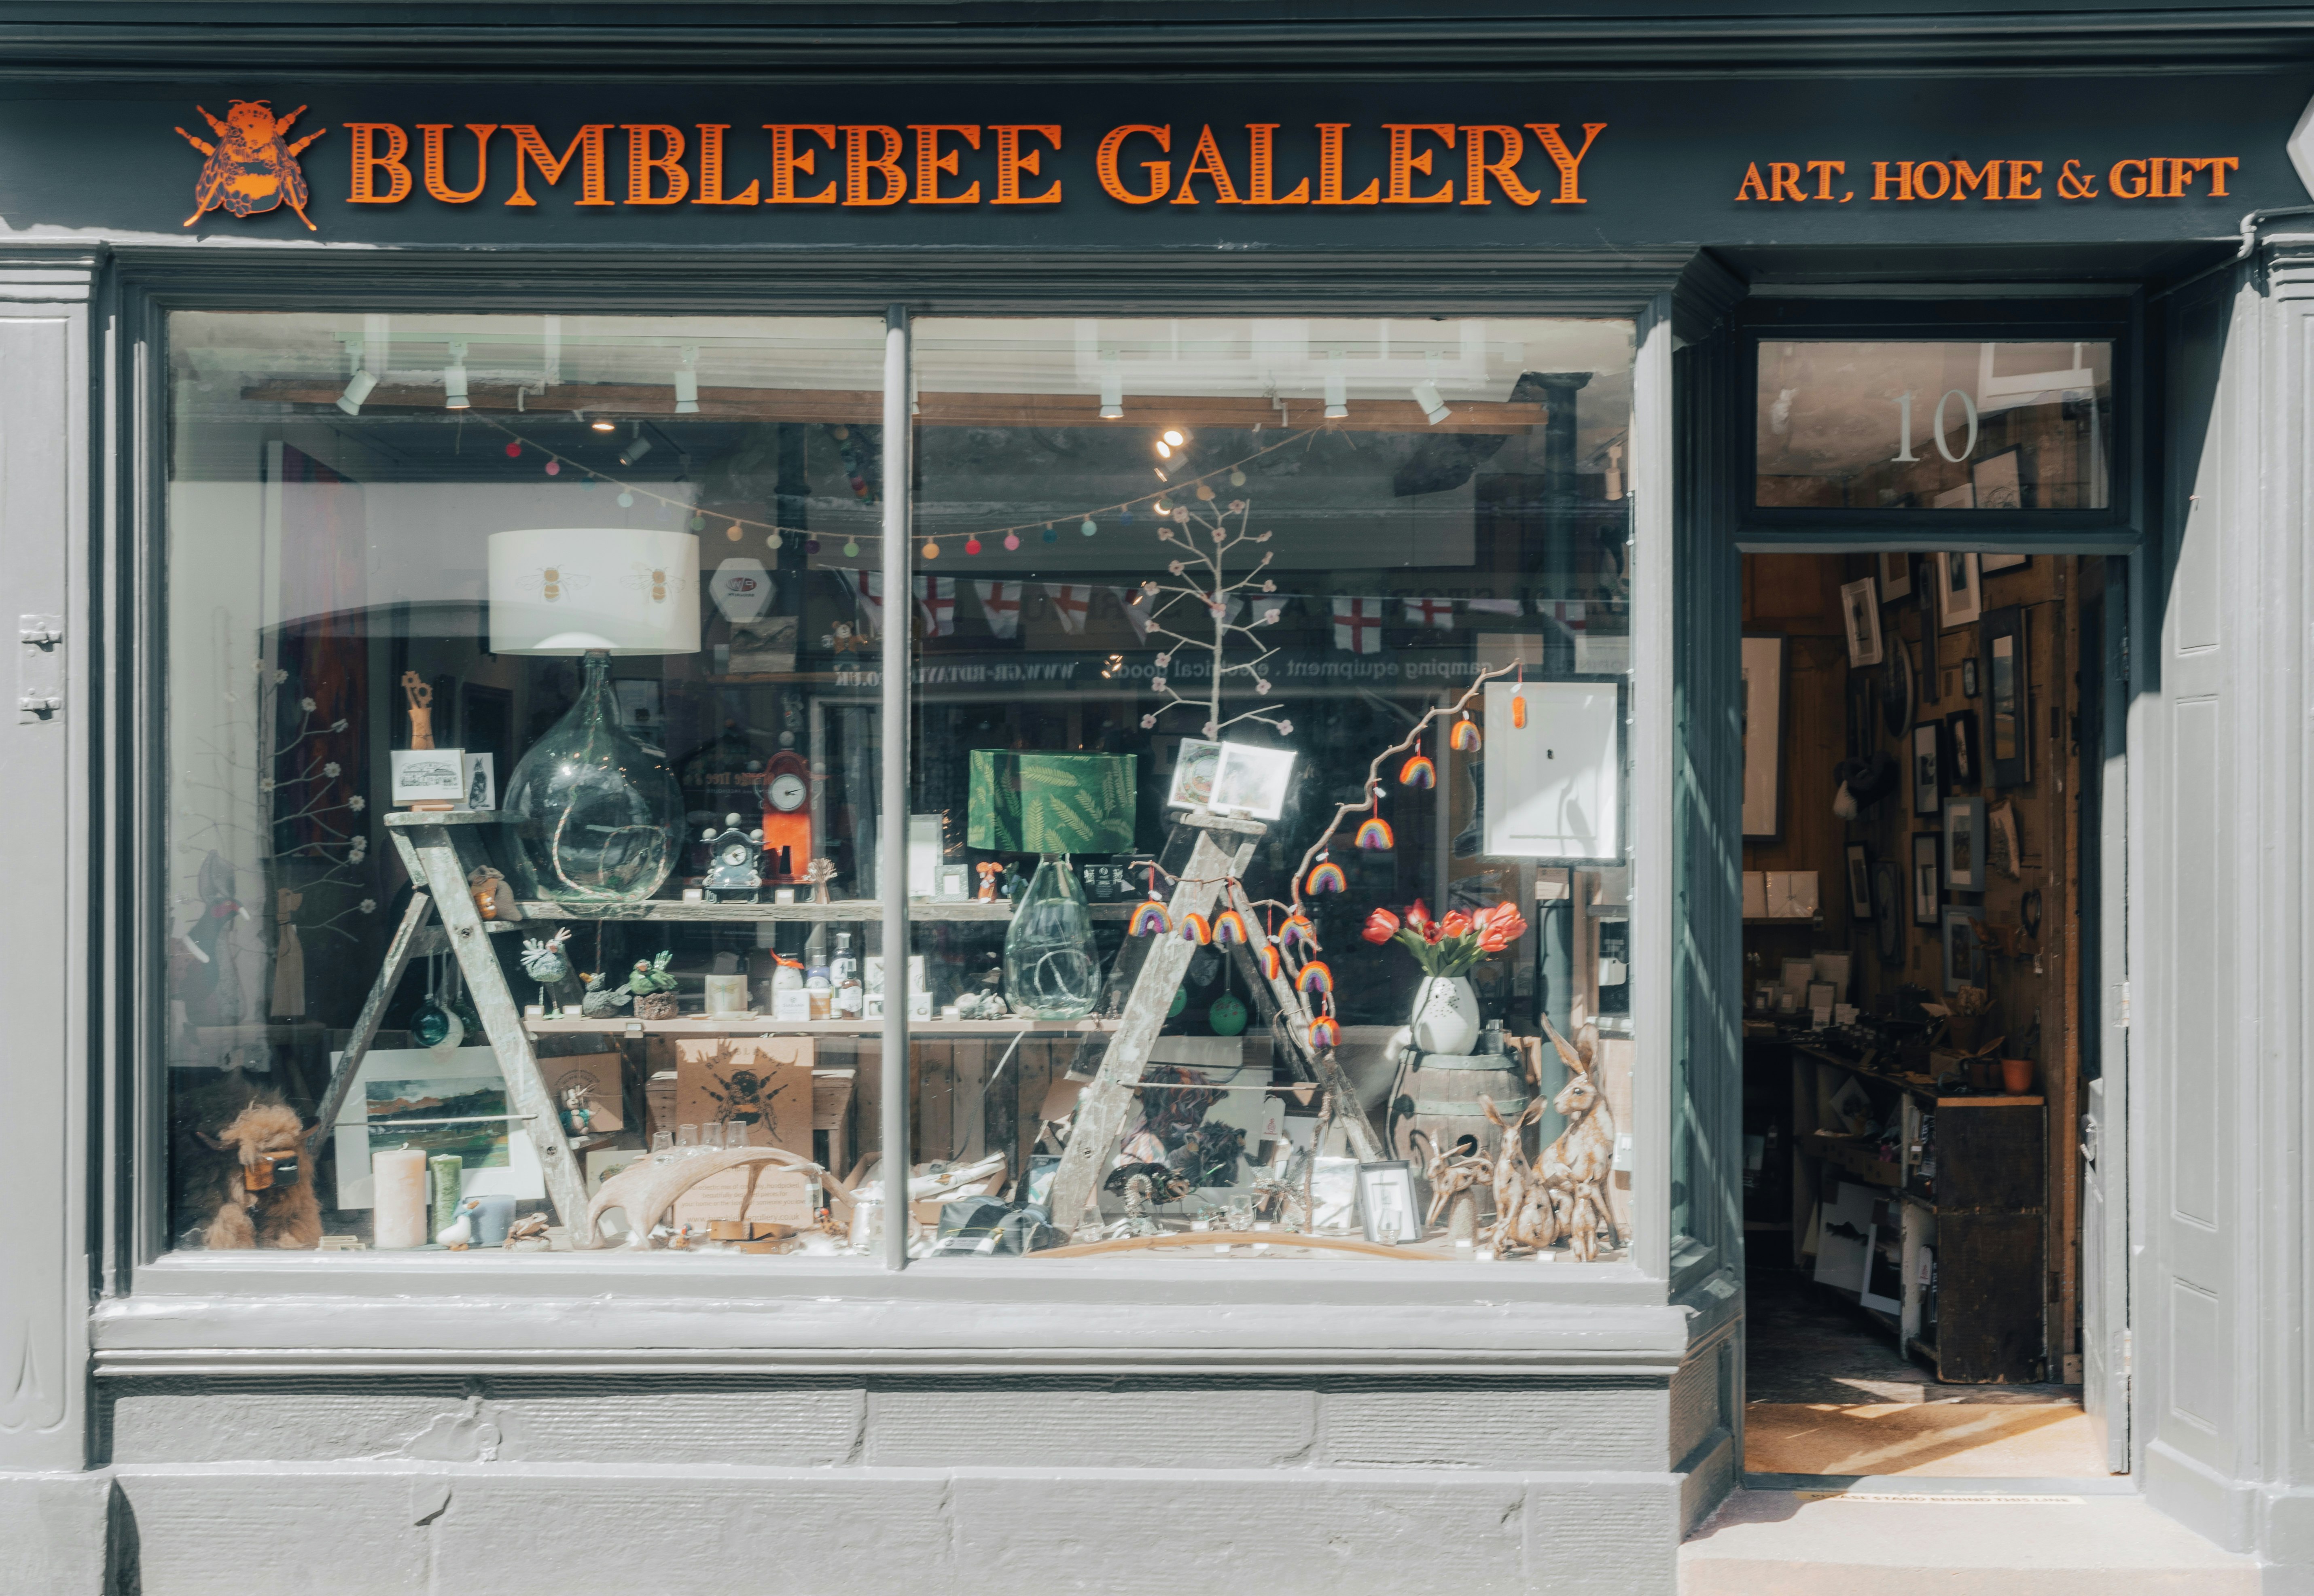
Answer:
[(1050, 967), (595, 814)]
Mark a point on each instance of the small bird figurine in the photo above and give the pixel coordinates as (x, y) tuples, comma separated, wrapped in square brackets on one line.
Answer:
[(459, 1234), (545, 963), (600, 1003), (653, 975)]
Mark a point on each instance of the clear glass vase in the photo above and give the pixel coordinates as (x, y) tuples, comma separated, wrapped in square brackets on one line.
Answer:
[(1051, 969), (594, 815)]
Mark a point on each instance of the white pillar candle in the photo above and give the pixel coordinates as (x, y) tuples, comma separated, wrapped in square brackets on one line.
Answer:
[(399, 1175)]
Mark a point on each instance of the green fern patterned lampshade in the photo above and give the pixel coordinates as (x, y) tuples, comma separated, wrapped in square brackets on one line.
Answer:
[(1051, 803)]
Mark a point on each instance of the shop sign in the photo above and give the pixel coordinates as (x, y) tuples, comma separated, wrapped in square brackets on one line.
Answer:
[(1998, 180)]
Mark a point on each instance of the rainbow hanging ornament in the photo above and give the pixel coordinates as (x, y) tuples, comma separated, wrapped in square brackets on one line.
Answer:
[(1325, 1033), (1273, 963), (1464, 738), (1150, 920), (1373, 830), (1298, 930), (1229, 926), (1315, 979), (1325, 876), (1194, 929), (1417, 770)]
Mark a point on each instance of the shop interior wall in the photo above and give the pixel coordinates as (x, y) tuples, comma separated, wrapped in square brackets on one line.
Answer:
[(2034, 990)]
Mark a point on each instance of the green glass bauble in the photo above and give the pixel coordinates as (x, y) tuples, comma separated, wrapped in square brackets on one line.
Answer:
[(1227, 1016)]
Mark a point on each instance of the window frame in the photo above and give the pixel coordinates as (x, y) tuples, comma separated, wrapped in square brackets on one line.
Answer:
[(135, 422)]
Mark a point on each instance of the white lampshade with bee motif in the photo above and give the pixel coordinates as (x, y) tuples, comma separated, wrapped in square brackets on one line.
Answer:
[(584, 589)]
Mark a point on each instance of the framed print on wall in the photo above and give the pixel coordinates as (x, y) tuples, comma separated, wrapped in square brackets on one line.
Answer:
[(1964, 844), (1928, 876), (2009, 751), (1964, 959), (1960, 593), (1861, 610), (1927, 770), (1860, 881), (1888, 913), (1896, 577), (1897, 690), (1763, 737), (1960, 737)]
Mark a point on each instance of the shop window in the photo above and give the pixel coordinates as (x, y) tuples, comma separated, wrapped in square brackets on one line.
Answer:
[(579, 620), (1934, 426)]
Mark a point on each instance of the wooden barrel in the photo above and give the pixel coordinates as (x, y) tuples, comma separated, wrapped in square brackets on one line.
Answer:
[(1438, 1094)]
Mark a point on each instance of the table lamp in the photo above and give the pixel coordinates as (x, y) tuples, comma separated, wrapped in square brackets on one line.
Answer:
[(596, 816)]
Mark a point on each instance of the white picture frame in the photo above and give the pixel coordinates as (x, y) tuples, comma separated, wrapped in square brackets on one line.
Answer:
[(429, 776), (1896, 577), (1196, 763), (1859, 607), (1960, 591), (1554, 786), (482, 782), (1252, 781), (474, 1069), (1386, 1205)]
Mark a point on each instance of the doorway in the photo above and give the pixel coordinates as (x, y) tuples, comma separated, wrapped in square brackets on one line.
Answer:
[(1919, 868)]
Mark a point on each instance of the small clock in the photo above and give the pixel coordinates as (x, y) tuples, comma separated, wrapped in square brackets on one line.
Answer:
[(788, 842)]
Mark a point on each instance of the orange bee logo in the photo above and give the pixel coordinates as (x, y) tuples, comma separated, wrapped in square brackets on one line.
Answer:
[(252, 167)]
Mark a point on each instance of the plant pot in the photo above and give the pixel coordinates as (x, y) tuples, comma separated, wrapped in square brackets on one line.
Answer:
[(2017, 1076), (1446, 1015)]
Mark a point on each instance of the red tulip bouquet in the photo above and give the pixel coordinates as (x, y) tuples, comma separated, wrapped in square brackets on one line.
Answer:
[(1449, 947)]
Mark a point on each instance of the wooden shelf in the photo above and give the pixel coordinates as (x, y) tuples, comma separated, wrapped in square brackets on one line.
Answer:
[(844, 912), (759, 1025)]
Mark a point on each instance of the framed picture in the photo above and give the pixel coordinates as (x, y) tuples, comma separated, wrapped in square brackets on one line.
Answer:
[(1928, 876), (1960, 737), (1861, 608), (1931, 587), (1860, 881), (2008, 687), (1386, 1203), (451, 1101), (1927, 770), (1964, 844), (1964, 959), (1252, 780), (1888, 913), (1960, 593), (1897, 690), (1553, 788), (1194, 764), (1968, 677), (1896, 577), (2001, 847), (1763, 737), (1998, 482), (429, 776), (1962, 498), (1992, 564)]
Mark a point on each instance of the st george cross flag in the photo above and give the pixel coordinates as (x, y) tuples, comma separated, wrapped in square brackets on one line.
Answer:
[(1139, 608), (1001, 603), (1357, 625), (1073, 603), (936, 602), (1431, 612), (1494, 606), (868, 593)]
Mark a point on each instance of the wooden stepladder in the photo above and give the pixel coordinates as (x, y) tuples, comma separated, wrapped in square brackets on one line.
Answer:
[(1210, 877), (435, 848)]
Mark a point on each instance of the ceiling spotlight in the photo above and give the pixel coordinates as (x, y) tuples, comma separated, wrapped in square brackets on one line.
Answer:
[(358, 389), (1174, 437), (1338, 397), (637, 447), (1112, 397), (687, 382), (600, 425), (453, 381), (1434, 408), (1165, 450)]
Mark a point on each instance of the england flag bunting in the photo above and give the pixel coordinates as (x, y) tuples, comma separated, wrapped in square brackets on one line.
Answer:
[(1139, 608), (1072, 602), (936, 602), (1357, 625), (868, 594), (1494, 606), (1431, 612), (1001, 603)]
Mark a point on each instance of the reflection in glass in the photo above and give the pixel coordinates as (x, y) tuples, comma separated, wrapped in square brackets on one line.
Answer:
[(1945, 426)]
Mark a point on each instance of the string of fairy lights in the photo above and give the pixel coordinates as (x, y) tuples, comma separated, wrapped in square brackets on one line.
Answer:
[(1167, 503)]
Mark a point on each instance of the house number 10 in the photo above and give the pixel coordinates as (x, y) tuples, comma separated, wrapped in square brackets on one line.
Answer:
[(1904, 403)]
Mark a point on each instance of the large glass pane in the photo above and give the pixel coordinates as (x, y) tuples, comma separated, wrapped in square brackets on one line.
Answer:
[(1175, 571), (559, 573), (1885, 425)]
